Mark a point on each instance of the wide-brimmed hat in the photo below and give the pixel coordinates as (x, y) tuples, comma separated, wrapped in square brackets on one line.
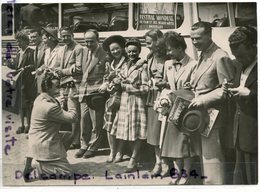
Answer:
[(113, 39), (134, 41), (187, 120), (96, 100), (52, 32)]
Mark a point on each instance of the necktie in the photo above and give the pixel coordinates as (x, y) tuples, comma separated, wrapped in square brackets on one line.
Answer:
[(200, 60)]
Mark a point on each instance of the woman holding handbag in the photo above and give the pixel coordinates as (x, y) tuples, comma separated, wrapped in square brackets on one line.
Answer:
[(155, 60), (115, 47), (132, 121)]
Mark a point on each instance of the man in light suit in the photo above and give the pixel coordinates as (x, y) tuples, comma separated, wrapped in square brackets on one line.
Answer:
[(243, 44), (93, 70), (70, 55), (47, 145), (214, 66)]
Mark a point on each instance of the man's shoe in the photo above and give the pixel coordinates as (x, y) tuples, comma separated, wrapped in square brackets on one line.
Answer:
[(88, 154), (80, 153), (74, 146), (20, 130), (26, 130)]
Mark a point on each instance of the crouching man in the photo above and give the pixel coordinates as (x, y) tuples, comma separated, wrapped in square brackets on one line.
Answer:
[(47, 145)]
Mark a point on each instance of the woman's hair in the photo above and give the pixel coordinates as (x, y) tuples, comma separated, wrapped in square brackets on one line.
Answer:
[(110, 56), (47, 81), (174, 39), (157, 36)]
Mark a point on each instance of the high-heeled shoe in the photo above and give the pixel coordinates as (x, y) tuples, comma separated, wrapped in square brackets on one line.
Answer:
[(110, 159), (157, 169), (132, 168), (118, 158)]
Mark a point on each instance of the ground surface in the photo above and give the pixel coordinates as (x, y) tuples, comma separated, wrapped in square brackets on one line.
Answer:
[(92, 171)]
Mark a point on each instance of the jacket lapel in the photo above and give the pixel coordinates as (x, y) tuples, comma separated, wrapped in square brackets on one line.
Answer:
[(52, 56), (150, 61), (185, 61), (69, 56), (204, 66), (94, 61), (252, 77), (41, 54)]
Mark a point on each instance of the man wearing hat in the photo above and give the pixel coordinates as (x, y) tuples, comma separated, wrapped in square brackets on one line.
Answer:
[(70, 55), (243, 45), (50, 38), (213, 68), (91, 101)]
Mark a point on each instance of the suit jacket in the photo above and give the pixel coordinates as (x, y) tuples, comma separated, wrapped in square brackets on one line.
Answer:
[(93, 70), (155, 68), (245, 122), (175, 79), (39, 55), (26, 78), (45, 143), (51, 59), (70, 56), (208, 78)]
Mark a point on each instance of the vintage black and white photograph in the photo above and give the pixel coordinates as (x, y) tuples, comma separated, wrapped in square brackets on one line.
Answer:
[(160, 93)]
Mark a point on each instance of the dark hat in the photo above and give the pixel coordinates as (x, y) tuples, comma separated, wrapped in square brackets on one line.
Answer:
[(187, 120), (134, 41), (96, 100), (52, 32), (113, 39)]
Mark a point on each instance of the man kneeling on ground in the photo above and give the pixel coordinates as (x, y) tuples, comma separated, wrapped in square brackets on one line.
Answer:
[(47, 144)]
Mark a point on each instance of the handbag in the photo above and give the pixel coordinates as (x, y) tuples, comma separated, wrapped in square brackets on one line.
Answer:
[(113, 102)]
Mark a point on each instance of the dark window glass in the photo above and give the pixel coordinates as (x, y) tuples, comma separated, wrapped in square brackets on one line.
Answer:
[(158, 15), (7, 19), (37, 15), (215, 13), (245, 14), (99, 16)]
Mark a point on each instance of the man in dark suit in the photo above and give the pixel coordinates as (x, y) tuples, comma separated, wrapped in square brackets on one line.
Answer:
[(93, 70), (39, 53), (243, 44), (25, 88), (214, 66)]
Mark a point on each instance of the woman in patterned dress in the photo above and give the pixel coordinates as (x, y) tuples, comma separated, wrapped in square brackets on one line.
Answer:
[(115, 47), (132, 121), (155, 60)]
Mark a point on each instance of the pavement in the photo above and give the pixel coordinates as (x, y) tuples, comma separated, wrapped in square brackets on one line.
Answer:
[(91, 171)]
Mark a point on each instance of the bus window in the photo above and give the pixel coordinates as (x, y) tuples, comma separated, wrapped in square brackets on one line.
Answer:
[(37, 15), (7, 19), (215, 13), (245, 14), (99, 16), (158, 15)]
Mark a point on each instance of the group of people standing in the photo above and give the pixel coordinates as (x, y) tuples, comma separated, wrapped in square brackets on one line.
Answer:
[(110, 88)]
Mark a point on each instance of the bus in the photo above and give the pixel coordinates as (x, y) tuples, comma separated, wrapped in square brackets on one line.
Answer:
[(128, 19)]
